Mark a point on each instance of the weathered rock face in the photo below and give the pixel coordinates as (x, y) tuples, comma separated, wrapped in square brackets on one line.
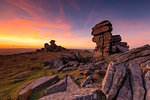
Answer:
[(67, 84), (67, 89), (59, 87), (113, 80), (106, 43), (147, 85), (80, 94), (128, 77)]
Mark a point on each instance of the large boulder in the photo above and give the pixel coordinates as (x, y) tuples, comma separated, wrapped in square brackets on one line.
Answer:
[(136, 82), (58, 87), (113, 80), (128, 76), (125, 89), (71, 84), (134, 53), (58, 63), (147, 85), (37, 84), (66, 84), (79, 94)]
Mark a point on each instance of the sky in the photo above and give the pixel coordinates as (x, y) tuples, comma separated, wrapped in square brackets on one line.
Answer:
[(31, 23)]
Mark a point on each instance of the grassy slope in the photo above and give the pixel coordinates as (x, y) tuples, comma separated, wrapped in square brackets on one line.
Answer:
[(32, 67)]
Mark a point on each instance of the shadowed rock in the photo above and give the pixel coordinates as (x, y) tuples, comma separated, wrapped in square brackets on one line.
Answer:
[(79, 94), (86, 81), (51, 48), (125, 92), (59, 87), (67, 84), (71, 84), (113, 80), (37, 84), (137, 82), (147, 85)]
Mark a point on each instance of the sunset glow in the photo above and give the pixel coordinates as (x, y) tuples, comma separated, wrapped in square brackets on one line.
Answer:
[(31, 23)]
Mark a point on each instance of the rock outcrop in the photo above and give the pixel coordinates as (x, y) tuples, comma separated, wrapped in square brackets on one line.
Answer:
[(64, 62), (127, 76), (52, 47), (106, 43)]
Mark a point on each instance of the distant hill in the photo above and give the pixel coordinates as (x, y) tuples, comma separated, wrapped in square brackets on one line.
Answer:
[(11, 51)]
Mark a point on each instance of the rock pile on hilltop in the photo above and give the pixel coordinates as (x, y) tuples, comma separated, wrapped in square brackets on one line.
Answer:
[(106, 43), (52, 47)]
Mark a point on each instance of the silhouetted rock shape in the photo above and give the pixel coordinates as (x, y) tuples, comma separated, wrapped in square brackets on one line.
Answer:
[(106, 43), (51, 48)]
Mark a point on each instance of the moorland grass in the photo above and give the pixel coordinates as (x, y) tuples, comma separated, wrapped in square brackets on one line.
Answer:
[(32, 68)]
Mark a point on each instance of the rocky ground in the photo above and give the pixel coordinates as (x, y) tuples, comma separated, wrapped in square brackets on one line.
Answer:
[(79, 75), (17, 71), (126, 77)]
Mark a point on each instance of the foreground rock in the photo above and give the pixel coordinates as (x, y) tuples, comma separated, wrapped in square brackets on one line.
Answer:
[(87, 80), (67, 84), (79, 94), (59, 87), (128, 77), (37, 84), (113, 80), (147, 85), (67, 89)]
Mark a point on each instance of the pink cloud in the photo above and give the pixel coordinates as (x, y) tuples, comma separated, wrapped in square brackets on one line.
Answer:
[(137, 43), (74, 5), (27, 6), (61, 10), (90, 16)]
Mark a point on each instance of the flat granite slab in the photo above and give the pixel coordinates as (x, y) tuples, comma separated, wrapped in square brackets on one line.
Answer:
[(38, 83)]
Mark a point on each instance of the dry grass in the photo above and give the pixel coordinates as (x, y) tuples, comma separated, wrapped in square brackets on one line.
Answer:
[(30, 65), (26, 96)]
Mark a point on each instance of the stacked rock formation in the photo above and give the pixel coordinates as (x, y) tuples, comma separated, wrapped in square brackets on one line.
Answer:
[(106, 43), (52, 47)]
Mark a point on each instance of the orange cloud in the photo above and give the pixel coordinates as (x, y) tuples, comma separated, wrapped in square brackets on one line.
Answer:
[(38, 23), (24, 33)]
